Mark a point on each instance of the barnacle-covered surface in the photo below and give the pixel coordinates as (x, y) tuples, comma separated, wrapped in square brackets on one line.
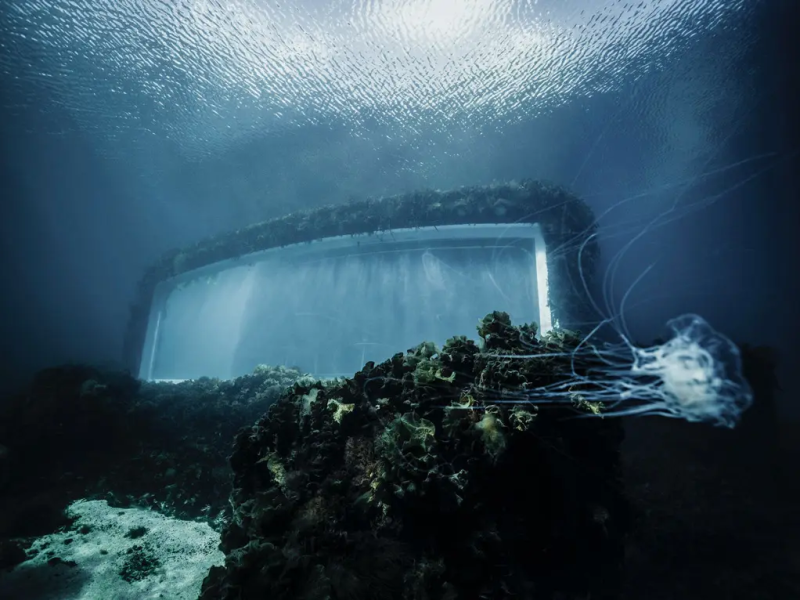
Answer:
[(566, 221), (408, 481)]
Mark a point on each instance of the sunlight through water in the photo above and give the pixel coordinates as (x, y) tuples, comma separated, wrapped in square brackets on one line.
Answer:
[(208, 73)]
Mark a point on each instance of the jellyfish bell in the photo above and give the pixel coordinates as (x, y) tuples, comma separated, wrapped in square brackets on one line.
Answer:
[(695, 375), (699, 372)]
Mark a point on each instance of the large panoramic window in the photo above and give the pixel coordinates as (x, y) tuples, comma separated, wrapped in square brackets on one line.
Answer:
[(331, 305)]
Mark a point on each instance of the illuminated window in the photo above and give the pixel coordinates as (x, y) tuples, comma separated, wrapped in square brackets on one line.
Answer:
[(330, 305)]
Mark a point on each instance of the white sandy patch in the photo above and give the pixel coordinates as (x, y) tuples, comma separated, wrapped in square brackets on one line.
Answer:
[(181, 551)]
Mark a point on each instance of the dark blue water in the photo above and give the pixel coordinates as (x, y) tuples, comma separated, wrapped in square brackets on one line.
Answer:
[(132, 127)]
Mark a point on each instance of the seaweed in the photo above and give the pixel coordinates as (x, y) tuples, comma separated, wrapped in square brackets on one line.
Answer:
[(425, 487)]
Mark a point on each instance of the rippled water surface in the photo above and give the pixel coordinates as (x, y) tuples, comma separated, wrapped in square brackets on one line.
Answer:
[(206, 74)]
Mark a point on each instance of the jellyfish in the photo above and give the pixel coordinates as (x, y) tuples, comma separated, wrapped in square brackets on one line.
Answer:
[(695, 375)]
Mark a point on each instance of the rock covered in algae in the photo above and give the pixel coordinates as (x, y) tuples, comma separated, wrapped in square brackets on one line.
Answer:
[(409, 481), (84, 432)]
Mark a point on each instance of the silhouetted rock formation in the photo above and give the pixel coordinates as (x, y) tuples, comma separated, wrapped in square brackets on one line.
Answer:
[(81, 432), (409, 481)]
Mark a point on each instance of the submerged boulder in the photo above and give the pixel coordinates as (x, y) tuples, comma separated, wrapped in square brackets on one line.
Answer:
[(83, 432), (411, 481)]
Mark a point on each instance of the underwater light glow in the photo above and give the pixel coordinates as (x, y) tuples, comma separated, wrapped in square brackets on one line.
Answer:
[(435, 22), (543, 287), (204, 74)]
